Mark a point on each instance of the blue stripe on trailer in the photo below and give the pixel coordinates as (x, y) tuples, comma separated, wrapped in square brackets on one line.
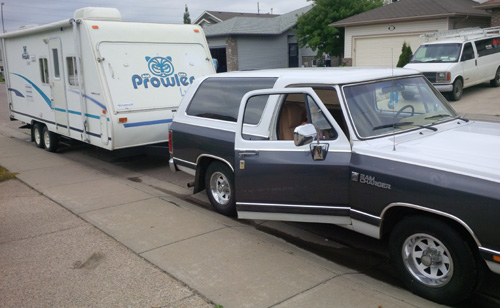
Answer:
[(165, 121), (16, 92), (43, 95)]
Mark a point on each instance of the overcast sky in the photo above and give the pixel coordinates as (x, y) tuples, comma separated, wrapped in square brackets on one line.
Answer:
[(17, 13)]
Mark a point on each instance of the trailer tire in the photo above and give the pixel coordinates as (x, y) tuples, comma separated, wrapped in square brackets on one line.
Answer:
[(219, 184), (50, 140), (37, 134)]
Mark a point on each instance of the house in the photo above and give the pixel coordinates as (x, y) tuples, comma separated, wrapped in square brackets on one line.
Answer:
[(492, 7), (209, 18), (375, 37), (247, 43)]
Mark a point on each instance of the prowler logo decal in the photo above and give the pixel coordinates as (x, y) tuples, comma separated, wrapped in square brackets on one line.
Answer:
[(164, 75), (369, 180)]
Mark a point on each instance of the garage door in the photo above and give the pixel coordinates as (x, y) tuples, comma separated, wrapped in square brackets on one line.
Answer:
[(382, 50)]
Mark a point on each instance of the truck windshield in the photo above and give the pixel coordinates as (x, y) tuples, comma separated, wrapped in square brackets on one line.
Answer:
[(393, 106), (437, 53)]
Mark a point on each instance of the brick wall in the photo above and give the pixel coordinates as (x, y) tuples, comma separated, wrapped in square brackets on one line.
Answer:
[(232, 53), (495, 18)]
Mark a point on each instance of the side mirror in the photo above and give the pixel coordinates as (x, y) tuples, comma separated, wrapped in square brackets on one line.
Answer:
[(304, 134)]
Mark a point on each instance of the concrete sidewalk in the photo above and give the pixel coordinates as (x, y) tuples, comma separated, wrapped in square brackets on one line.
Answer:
[(79, 232), (50, 257)]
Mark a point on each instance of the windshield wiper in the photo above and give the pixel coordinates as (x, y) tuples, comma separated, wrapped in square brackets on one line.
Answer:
[(395, 125), (438, 116)]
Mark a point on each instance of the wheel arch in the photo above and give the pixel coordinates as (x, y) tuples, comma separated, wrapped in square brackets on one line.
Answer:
[(202, 163), (395, 212)]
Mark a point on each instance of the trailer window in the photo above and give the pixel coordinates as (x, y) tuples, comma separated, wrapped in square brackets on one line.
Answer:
[(72, 72), (55, 57), (44, 70)]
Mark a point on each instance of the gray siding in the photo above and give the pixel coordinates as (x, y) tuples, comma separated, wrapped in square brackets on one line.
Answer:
[(262, 52)]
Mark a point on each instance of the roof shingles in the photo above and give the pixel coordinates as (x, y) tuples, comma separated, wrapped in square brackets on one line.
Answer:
[(408, 9), (256, 25)]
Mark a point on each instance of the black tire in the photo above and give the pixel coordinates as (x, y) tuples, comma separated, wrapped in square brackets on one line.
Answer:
[(219, 184), (50, 140), (495, 82), (434, 260), (37, 134), (458, 90)]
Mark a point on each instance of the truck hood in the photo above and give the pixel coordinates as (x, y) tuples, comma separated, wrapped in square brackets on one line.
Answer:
[(430, 66), (471, 149)]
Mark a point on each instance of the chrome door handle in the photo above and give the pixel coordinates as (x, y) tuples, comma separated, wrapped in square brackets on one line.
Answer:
[(248, 153)]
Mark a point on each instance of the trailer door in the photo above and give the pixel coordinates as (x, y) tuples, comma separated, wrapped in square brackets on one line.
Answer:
[(57, 86)]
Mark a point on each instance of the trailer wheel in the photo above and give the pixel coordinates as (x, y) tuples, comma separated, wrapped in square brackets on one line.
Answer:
[(219, 184), (434, 260), (50, 140), (37, 134)]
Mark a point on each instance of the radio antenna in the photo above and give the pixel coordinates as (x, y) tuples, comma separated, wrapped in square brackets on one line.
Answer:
[(393, 97)]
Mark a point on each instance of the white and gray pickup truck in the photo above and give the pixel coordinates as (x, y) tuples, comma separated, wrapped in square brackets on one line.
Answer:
[(378, 151)]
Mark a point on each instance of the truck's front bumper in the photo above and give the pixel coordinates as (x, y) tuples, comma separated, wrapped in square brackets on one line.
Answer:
[(492, 259), (443, 87)]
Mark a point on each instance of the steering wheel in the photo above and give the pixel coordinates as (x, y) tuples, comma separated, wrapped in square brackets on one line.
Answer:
[(403, 108)]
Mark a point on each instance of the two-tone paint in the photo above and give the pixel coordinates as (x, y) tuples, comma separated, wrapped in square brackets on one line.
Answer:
[(366, 185)]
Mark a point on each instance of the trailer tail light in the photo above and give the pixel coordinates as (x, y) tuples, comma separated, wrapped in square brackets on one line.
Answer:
[(170, 147), (122, 120)]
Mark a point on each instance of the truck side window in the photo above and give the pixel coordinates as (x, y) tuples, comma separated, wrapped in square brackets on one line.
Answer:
[(220, 98), (488, 46), (299, 109), (468, 52), (44, 70)]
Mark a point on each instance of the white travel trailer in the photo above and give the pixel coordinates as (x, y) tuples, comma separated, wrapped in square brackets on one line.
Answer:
[(100, 80)]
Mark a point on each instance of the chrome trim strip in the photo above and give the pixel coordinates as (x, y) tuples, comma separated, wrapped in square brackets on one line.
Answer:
[(296, 205), (421, 208), (328, 219), (494, 252), (298, 149), (184, 161), (214, 157), (366, 214)]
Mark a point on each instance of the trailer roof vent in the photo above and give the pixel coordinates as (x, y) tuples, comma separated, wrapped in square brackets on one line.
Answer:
[(98, 13)]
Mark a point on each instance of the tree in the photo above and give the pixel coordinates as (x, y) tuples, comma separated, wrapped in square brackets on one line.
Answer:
[(187, 19), (405, 56), (313, 28)]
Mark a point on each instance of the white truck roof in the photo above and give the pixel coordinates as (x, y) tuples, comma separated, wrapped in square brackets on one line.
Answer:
[(333, 75)]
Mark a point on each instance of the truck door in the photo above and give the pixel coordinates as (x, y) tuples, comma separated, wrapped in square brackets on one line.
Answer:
[(278, 180), (57, 86)]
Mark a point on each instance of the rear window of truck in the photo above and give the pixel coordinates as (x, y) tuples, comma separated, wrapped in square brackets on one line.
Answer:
[(219, 98)]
